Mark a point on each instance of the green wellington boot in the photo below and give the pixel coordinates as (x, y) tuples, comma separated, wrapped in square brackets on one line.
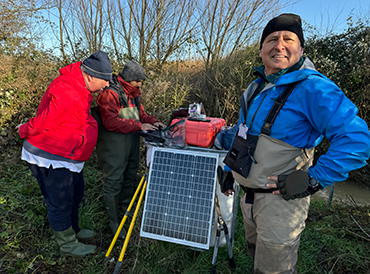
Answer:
[(68, 244), (111, 204), (85, 235)]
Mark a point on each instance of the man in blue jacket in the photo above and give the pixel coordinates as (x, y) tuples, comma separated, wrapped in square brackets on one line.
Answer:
[(281, 179)]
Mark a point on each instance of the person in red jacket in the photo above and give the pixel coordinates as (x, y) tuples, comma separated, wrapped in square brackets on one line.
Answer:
[(121, 116), (58, 141)]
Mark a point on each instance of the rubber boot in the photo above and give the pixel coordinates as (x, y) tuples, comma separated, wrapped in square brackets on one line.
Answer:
[(85, 235), (111, 204), (69, 245)]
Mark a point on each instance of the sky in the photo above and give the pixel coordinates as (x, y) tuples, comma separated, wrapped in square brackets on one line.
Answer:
[(324, 15), (330, 14)]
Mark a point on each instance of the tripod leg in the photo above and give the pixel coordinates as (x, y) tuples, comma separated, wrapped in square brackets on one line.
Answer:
[(120, 259), (215, 250), (229, 247), (117, 268), (124, 218)]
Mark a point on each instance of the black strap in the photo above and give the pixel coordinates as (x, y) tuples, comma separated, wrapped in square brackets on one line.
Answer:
[(249, 197), (274, 111), (257, 190), (123, 100), (115, 85)]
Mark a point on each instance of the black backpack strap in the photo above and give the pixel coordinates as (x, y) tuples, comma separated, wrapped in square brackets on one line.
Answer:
[(123, 100), (274, 111), (137, 103)]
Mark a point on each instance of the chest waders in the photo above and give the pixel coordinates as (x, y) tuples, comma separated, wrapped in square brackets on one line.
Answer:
[(272, 225), (118, 156)]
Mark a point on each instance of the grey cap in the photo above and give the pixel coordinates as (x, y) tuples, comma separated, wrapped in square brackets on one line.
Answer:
[(98, 65), (133, 71)]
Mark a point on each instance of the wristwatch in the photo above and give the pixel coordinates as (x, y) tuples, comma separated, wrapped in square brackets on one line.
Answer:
[(313, 185)]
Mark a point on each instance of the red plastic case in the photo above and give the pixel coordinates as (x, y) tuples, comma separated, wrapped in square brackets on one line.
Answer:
[(201, 133)]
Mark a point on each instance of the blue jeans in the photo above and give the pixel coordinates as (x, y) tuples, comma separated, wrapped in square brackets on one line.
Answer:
[(63, 191)]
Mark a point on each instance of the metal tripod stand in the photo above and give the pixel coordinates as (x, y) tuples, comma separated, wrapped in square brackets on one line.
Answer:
[(221, 226)]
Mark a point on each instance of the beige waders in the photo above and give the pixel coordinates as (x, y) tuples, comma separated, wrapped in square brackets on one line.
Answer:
[(273, 225)]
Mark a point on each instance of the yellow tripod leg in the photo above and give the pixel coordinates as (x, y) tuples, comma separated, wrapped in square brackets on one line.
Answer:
[(124, 218), (119, 262)]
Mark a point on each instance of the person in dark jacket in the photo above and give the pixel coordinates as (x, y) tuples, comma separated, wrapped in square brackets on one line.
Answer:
[(121, 116), (59, 140)]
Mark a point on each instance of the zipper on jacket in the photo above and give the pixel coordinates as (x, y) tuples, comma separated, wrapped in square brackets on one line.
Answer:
[(76, 146)]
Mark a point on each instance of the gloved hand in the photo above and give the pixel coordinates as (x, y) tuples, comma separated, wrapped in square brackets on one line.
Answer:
[(297, 184), (225, 179)]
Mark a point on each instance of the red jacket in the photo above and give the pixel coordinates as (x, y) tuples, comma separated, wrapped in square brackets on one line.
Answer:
[(63, 125), (109, 106)]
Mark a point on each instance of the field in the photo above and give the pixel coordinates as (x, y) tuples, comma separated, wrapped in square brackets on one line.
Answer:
[(335, 241)]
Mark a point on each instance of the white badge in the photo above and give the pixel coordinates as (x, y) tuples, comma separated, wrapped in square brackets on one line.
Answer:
[(243, 129)]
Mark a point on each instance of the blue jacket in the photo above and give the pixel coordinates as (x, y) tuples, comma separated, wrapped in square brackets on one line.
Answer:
[(315, 109)]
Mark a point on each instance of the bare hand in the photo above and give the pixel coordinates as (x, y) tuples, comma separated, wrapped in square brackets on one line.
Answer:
[(17, 127), (273, 178), (159, 125), (229, 192), (147, 126)]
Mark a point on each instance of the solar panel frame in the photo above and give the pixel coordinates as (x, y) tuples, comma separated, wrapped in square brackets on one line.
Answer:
[(179, 201)]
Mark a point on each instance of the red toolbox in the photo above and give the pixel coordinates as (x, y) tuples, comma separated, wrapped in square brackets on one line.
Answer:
[(201, 133)]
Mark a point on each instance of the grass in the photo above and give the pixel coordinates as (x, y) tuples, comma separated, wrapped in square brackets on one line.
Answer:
[(331, 243)]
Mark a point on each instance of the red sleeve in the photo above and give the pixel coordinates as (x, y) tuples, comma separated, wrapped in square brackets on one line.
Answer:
[(55, 107), (109, 107), (145, 118)]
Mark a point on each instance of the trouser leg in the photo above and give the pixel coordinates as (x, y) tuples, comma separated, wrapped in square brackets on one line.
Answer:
[(127, 189), (249, 225), (112, 189), (118, 156), (275, 226), (63, 192), (78, 195)]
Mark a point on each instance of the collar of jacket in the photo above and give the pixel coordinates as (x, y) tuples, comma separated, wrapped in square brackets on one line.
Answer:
[(272, 78), (131, 91)]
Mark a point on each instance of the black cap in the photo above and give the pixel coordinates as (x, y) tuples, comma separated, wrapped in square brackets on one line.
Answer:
[(285, 21), (133, 71), (98, 65)]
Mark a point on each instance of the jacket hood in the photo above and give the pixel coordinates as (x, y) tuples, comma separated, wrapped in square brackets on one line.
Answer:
[(73, 70)]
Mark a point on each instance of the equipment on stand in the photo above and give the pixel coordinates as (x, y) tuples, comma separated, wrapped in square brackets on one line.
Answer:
[(180, 187)]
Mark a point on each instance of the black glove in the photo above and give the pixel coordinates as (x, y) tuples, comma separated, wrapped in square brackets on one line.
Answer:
[(297, 184), (225, 179)]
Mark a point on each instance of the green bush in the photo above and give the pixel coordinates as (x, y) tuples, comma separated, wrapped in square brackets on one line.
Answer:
[(345, 59), (24, 78)]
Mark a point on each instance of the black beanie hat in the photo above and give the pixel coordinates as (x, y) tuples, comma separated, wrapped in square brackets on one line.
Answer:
[(285, 21), (98, 65), (133, 71)]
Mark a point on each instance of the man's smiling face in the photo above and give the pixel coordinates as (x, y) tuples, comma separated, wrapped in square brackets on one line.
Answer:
[(280, 50)]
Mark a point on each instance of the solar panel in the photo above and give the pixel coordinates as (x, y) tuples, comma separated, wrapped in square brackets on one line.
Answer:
[(180, 197)]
